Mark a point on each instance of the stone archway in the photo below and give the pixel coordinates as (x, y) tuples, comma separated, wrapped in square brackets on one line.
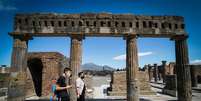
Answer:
[(36, 67)]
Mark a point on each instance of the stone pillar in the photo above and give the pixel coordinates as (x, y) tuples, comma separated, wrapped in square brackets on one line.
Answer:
[(75, 62), (155, 73), (183, 69), (132, 68), (16, 90), (163, 70), (193, 76), (150, 72)]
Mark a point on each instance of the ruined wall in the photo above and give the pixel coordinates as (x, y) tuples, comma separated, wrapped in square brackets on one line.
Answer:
[(118, 83), (195, 75), (52, 66), (170, 69)]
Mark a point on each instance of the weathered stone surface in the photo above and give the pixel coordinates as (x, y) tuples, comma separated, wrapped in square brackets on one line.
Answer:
[(132, 68), (97, 24), (171, 85), (75, 62), (16, 90), (183, 69), (43, 67), (158, 72), (195, 75), (118, 83)]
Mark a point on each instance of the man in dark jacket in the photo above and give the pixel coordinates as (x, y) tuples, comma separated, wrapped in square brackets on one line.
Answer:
[(62, 86)]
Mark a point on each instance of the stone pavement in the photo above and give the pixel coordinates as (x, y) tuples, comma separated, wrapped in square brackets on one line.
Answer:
[(101, 84)]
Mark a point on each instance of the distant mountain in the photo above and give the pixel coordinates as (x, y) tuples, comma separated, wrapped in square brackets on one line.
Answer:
[(95, 67)]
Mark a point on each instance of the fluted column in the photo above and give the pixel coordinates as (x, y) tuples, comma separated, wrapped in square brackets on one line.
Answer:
[(132, 68), (16, 90), (183, 69), (75, 62)]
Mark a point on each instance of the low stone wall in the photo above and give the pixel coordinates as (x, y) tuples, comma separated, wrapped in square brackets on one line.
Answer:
[(170, 85), (118, 84), (4, 80)]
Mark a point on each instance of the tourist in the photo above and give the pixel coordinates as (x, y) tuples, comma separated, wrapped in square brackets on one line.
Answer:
[(80, 85), (53, 89), (62, 87)]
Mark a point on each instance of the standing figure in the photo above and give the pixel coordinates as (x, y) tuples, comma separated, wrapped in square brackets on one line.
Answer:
[(62, 87), (80, 85)]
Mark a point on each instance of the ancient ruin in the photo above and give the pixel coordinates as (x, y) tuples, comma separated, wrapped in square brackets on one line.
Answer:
[(118, 84), (43, 67), (78, 26)]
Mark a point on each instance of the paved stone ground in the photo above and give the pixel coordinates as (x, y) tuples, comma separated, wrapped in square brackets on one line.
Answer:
[(101, 83)]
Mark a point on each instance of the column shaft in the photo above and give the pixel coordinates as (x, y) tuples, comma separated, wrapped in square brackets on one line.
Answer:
[(183, 70), (155, 72), (149, 71), (75, 63), (132, 69), (16, 90)]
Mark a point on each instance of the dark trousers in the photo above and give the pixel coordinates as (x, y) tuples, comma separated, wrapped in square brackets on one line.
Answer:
[(64, 99), (81, 98)]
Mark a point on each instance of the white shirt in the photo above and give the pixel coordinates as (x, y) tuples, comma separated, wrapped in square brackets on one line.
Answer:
[(79, 86)]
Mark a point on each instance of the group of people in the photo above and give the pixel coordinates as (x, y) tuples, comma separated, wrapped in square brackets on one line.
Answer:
[(62, 87)]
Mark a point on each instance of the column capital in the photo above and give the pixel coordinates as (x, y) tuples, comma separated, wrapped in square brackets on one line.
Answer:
[(75, 36), (179, 37), (23, 37), (130, 36), (164, 62)]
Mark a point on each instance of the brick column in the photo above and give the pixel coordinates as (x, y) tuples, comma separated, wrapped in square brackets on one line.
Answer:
[(16, 90), (75, 62), (183, 69), (132, 68)]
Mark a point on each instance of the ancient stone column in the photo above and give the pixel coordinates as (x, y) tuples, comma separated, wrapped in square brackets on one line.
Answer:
[(75, 62), (132, 68), (183, 69), (163, 70), (155, 72), (150, 71), (16, 90)]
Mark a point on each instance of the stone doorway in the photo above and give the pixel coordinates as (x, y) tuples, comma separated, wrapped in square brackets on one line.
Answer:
[(36, 67)]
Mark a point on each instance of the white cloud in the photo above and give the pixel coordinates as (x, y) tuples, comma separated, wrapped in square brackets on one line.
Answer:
[(3, 6), (123, 57), (196, 61), (145, 53), (120, 57)]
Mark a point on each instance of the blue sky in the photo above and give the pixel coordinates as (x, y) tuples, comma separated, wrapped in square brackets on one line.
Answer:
[(105, 51)]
